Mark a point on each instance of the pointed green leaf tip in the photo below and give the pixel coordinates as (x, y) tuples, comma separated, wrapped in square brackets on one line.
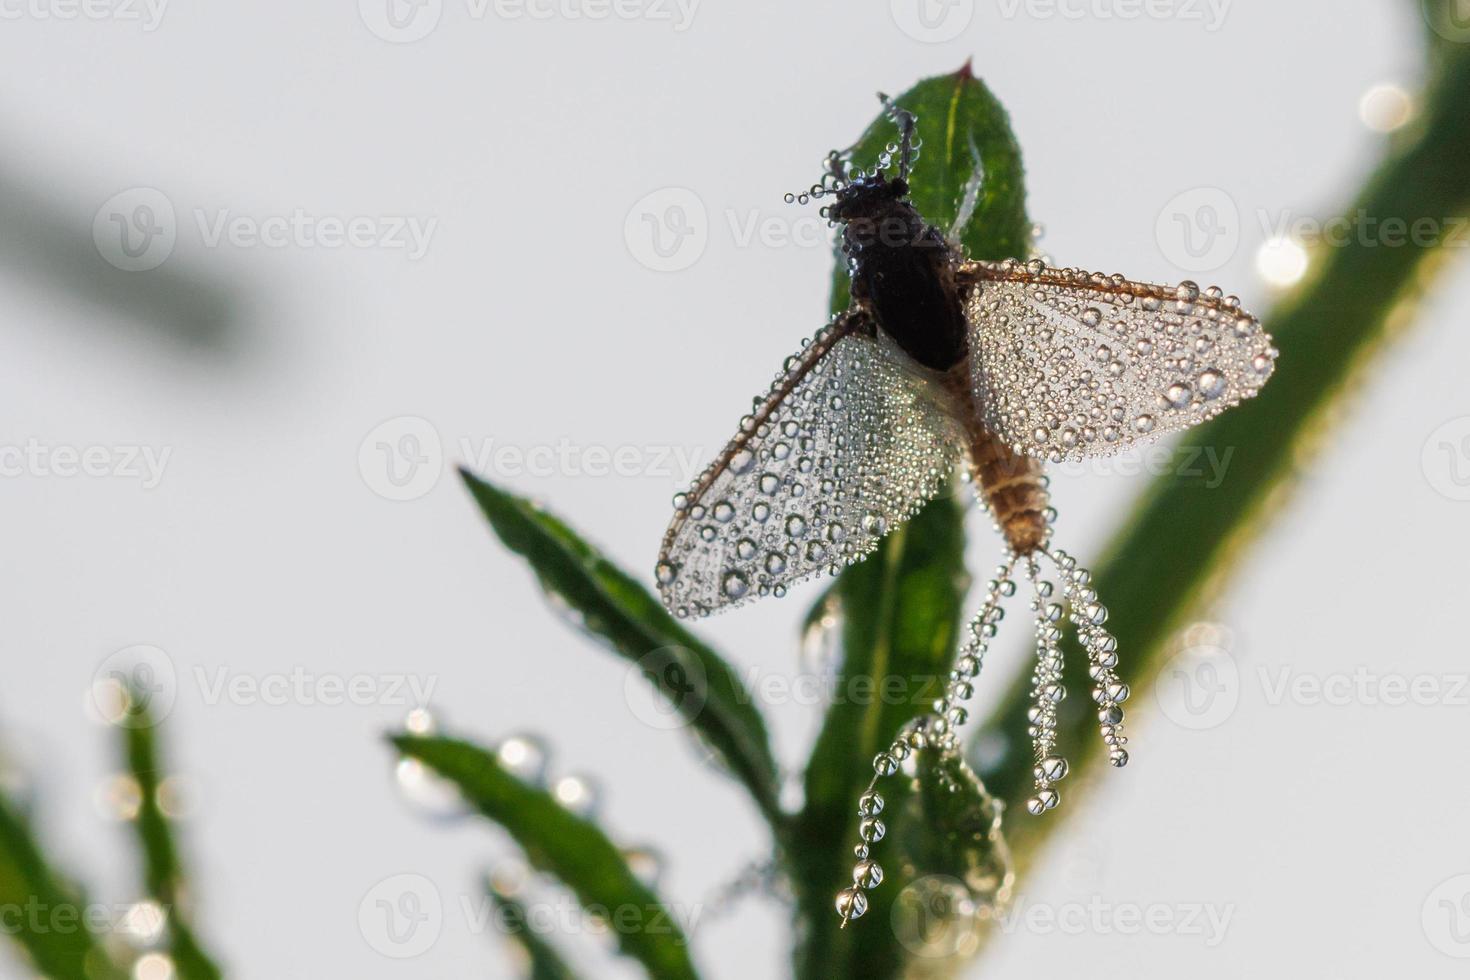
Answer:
[(615, 609)]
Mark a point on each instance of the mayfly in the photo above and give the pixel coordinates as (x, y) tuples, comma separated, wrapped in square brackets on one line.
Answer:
[(941, 359)]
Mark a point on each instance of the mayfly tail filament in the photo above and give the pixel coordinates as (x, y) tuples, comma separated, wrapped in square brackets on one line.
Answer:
[(938, 729)]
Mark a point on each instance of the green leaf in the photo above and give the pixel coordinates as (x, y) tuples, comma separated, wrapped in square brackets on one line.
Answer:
[(902, 607), (566, 845), (543, 962), (162, 871), (43, 913), (615, 609), (1184, 539)]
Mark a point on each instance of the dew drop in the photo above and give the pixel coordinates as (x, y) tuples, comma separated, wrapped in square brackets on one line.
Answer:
[(735, 585), (1211, 383)]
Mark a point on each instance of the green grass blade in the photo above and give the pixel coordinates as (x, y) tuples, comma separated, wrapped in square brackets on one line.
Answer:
[(563, 844), (621, 613), (163, 873), (542, 961), (1185, 539), (44, 913), (902, 607)]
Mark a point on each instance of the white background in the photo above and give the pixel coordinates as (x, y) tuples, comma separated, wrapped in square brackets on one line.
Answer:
[(1323, 829)]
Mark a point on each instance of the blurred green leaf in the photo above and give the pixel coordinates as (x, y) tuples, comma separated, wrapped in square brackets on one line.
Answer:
[(163, 873), (901, 609), (615, 609), (1184, 539), (44, 914), (543, 962), (566, 845)]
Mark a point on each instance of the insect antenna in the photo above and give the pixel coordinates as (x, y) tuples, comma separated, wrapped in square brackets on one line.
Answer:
[(905, 121), (834, 177)]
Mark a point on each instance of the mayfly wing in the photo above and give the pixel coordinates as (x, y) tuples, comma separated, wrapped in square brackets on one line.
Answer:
[(1067, 364), (850, 441)]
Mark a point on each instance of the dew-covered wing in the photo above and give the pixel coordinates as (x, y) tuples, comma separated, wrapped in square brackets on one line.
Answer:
[(1067, 364), (850, 440)]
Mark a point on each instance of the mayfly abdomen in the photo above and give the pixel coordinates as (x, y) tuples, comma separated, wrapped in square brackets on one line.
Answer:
[(1011, 485)]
